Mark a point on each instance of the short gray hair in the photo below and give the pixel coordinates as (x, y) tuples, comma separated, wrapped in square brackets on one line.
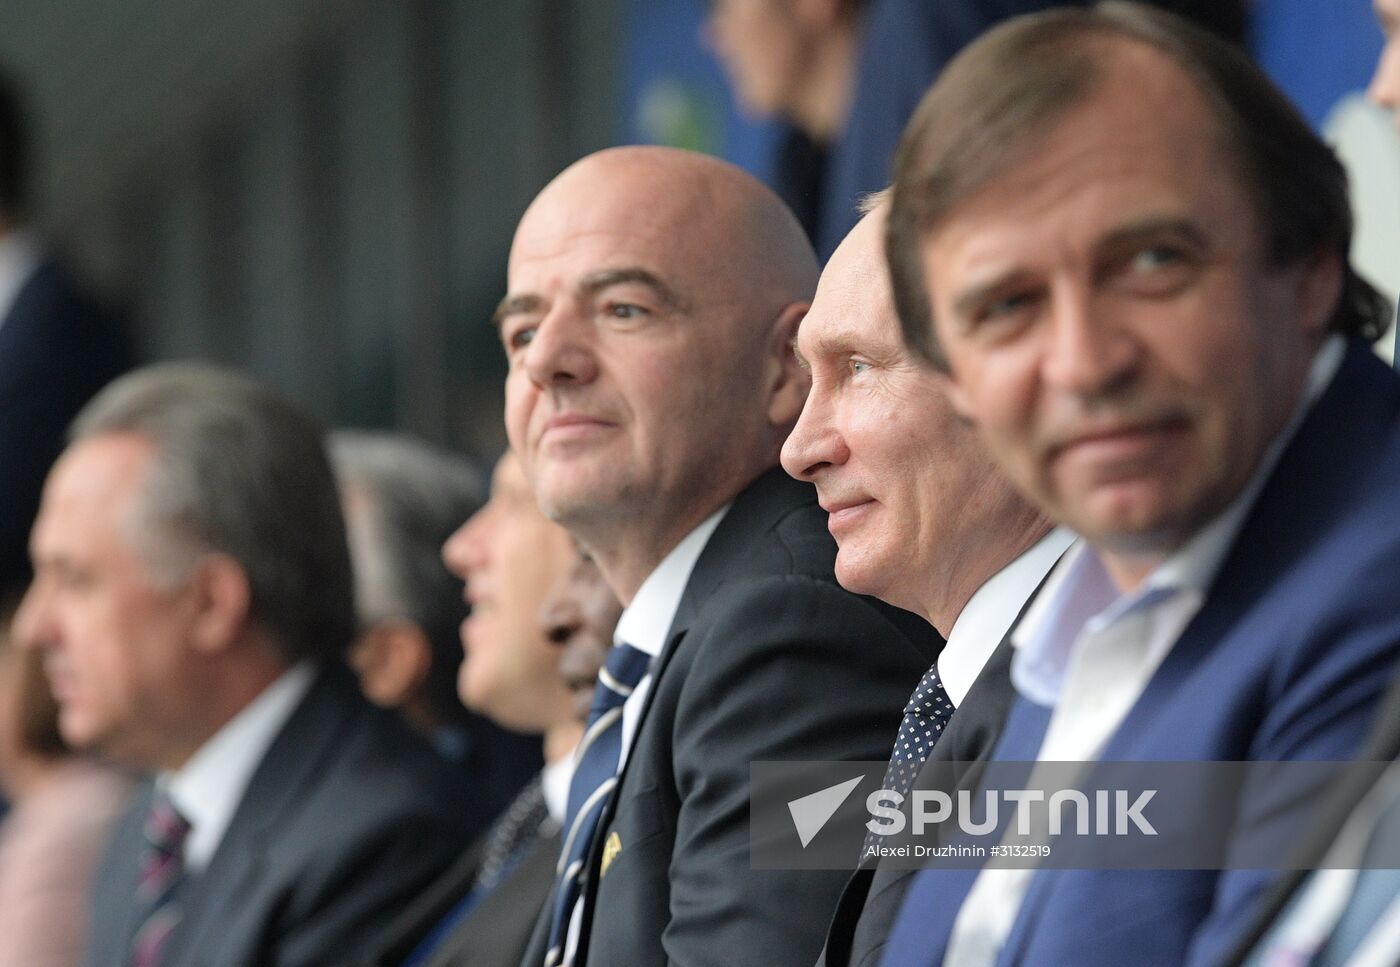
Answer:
[(240, 470), (403, 499)]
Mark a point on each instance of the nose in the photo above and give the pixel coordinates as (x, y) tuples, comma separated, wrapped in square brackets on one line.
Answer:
[(33, 627), (561, 351), (1091, 352), (467, 549), (815, 442)]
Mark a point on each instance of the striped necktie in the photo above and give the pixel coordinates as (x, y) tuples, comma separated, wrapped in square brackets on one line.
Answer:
[(162, 870), (593, 782)]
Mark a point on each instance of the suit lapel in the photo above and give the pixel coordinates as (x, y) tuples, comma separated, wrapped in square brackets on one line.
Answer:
[(495, 931), (428, 909), (290, 765), (754, 511)]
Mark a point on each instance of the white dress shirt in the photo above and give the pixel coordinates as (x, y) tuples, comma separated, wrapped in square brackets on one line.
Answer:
[(554, 783), (207, 789), (1088, 652), (988, 614), (645, 622), (643, 625), (19, 258)]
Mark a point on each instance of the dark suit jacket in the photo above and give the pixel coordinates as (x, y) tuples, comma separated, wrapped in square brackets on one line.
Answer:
[(495, 932), (1287, 660), (767, 659), (56, 350), (347, 818)]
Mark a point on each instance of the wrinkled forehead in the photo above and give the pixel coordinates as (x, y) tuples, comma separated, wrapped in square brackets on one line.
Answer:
[(621, 216), (854, 300)]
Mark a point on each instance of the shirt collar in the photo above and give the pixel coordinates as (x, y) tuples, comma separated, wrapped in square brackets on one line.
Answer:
[(1080, 592), (990, 611), (554, 783), (207, 789), (646, 620), (19, 258)]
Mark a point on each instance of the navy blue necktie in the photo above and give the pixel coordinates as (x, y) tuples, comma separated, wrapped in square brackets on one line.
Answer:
[(593, 782)]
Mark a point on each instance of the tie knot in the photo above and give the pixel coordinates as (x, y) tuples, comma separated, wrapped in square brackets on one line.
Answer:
[(166, 829), (930, 700), (623, 669)]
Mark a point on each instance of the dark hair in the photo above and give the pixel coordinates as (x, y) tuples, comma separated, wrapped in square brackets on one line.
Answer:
[(240, 470), (998, 99), (14, 150)]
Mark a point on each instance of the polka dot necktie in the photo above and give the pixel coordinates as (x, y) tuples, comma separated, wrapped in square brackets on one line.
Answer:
[(925, 715)]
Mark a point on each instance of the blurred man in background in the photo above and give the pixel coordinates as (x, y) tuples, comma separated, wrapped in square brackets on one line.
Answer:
[(481, 911), (193, 602), (579, 617), (402, 498), (57, 349), (846, 75)]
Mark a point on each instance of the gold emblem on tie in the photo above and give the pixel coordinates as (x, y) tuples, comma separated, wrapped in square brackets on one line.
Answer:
[(611, 847)]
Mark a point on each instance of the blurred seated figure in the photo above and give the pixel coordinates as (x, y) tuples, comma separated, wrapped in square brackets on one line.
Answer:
[(62, 809), (402, 498), (846, 75), (193, 602), (480, 912), (57, 348), (580, 617)]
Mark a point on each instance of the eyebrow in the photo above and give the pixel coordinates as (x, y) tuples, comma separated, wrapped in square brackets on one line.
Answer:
[(1155, 226), (512, 305), (802, 363), (595, 282), (591, 284)]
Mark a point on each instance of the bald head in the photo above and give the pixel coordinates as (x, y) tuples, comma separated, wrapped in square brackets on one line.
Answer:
[(729, 226), (652, 297)]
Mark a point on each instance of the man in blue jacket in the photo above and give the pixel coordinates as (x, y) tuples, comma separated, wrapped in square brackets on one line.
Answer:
[(1128, 252)]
